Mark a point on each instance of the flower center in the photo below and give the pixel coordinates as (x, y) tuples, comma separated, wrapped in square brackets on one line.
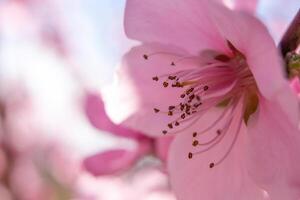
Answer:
[(224, 81)]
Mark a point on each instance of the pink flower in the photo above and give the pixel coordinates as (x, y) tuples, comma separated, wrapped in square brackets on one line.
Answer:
[(214, 76), (119, 159)]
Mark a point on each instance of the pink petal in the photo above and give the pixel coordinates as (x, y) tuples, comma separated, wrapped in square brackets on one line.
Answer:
[(252, 38), (135, 95), (193, 179), (184, 23), (162, 146), (248, 5), (95, 112), (273, 152), (110, 162), (295, 84)]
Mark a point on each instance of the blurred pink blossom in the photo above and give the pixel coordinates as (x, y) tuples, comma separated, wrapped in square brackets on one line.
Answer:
[(119, 159)]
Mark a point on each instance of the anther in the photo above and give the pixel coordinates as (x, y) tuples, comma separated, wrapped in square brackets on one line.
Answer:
[(164, 132), (170, 126), (192, 97), (172, 77), (190, 155), (205, 88), (182, 106), (182, 96), (195, 143), (189, 91), (198, 98), (145, 57), (195, 134), (211, 165), (182, 116), (171, 107), (172, 63), (156, 110), (219, 132), (176, 123), (155, 78), (170, 113), (165, 84)]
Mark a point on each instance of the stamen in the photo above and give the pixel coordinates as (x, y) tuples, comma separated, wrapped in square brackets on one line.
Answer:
[(226, 77), (156, 110), (155, 78), (165, 84), (232, 144), (195, 143), (171, 107), (145, 57)]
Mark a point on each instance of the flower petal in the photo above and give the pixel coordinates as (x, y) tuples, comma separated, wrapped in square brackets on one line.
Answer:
[(162, 146), (110, 162), (248, 6), (193, 179), (184, 23), (134, 96), (252, 38), (96, 114), (273, 148)]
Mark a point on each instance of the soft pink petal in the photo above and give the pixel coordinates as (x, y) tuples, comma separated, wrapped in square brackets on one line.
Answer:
[(134, 96), (193, 179), (110, 162), (162, 146), (273, 152), (295, 84), (252, 38), (95, 112), (184, 23), (246, 5)]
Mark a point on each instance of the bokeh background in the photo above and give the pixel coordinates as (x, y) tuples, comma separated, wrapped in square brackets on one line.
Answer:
[(55, 55)]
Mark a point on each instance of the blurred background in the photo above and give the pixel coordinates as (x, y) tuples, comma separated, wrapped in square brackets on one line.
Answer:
[(55, 141)]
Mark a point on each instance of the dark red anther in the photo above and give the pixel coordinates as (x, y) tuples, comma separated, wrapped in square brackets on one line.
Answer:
[(145, 57), (155, 78), (171, 107), (156, 110), (195, 143), (170, 126), (183, 116), (165, 84)]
